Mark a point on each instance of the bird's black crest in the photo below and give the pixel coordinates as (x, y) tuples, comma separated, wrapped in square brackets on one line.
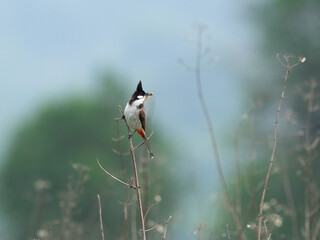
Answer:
[(139, 92), (139, 88)]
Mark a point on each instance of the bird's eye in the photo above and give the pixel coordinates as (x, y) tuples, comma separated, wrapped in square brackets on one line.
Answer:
[(140, 96)]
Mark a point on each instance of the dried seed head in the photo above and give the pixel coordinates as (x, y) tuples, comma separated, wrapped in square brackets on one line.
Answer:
[(302, 59)]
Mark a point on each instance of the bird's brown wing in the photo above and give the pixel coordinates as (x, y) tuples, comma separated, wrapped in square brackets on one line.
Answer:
[(142, 117)]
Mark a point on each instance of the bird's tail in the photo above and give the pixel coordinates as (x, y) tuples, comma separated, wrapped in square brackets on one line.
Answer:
[(143, 135)]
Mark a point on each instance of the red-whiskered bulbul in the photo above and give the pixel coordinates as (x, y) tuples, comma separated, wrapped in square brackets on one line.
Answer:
[(135, 114)]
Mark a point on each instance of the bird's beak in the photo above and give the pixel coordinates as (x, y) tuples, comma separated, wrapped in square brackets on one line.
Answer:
[(149, 94)]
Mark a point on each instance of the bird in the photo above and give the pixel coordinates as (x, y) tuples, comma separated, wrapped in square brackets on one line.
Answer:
[(135, 114)]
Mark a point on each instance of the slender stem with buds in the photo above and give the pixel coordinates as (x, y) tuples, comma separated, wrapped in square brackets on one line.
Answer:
[(165, 228), (212, 135), (288, 67), (100, 215), (136, 180)]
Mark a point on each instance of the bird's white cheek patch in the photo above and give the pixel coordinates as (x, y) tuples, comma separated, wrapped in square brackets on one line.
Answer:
[(140, 96)]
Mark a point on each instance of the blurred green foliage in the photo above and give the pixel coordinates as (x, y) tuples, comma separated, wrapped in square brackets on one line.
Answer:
[(50, 180), (287, 27)]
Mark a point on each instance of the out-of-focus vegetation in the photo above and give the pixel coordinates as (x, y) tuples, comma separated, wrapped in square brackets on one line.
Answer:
[(291, 206), (50, 180)]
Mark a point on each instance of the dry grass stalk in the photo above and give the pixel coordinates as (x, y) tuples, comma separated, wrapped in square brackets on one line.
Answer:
[(136, 179), (288, 66), (100, 216), (229, 203), (165, 228)]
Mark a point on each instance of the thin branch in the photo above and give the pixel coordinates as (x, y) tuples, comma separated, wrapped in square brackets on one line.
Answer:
[(237, 162), (199, 231), (142, 142), (316, 230), (150, 229), (314, 144), (100, 215), (308, 167), (288, 67), (145, 181), (121, 155), (136, 178), (133, 218), (228, 232), (229, 203), (266, 230), (146, 214), (165, 228), (115, 178), (289, 197)]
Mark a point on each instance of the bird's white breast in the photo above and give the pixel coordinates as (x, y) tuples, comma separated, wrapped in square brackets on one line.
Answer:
[(131, 113)]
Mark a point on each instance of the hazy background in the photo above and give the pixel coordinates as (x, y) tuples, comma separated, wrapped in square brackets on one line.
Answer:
[(50, 50), (53, 51)]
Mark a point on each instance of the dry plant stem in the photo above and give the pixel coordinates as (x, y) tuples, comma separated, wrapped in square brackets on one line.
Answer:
[(316, 231), (289, 198), (228, 232), (133, 220), (286, 77), (136, 179), (100, 215), (199, 231), (309, 147), (307, 212), (124, 177), (237, 164), (266, 230), (229, 203), (143, 142), (165, 228), (115, 178), (308, 168), (150, 229), (146, 214), (145, 182)]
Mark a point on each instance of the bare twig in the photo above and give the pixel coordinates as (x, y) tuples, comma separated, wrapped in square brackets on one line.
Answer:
[(266, 230), (237, 162), (136, 179), (133, 218), (115, 178), (308, 168), (228, 232), (124, 176), (142, 142), (229, 203), (100, 215), (145, 181), (150, 229), (289, 197), (199, 231), (288, 66), (146, 214), (314, 144), (165, 228), (315, 234)]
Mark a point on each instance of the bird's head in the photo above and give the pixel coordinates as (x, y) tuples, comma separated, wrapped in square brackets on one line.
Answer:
[(139, 94)]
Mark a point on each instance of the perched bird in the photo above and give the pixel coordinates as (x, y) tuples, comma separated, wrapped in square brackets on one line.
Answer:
[(135, 114)]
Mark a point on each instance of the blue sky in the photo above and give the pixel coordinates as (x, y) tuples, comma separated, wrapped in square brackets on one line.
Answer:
[(52, 49)]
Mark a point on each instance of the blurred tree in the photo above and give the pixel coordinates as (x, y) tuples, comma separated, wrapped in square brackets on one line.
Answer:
[(50, 180), (291, 204)]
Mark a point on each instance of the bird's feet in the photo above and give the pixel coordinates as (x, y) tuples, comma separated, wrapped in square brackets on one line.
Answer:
[(131, 134)]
